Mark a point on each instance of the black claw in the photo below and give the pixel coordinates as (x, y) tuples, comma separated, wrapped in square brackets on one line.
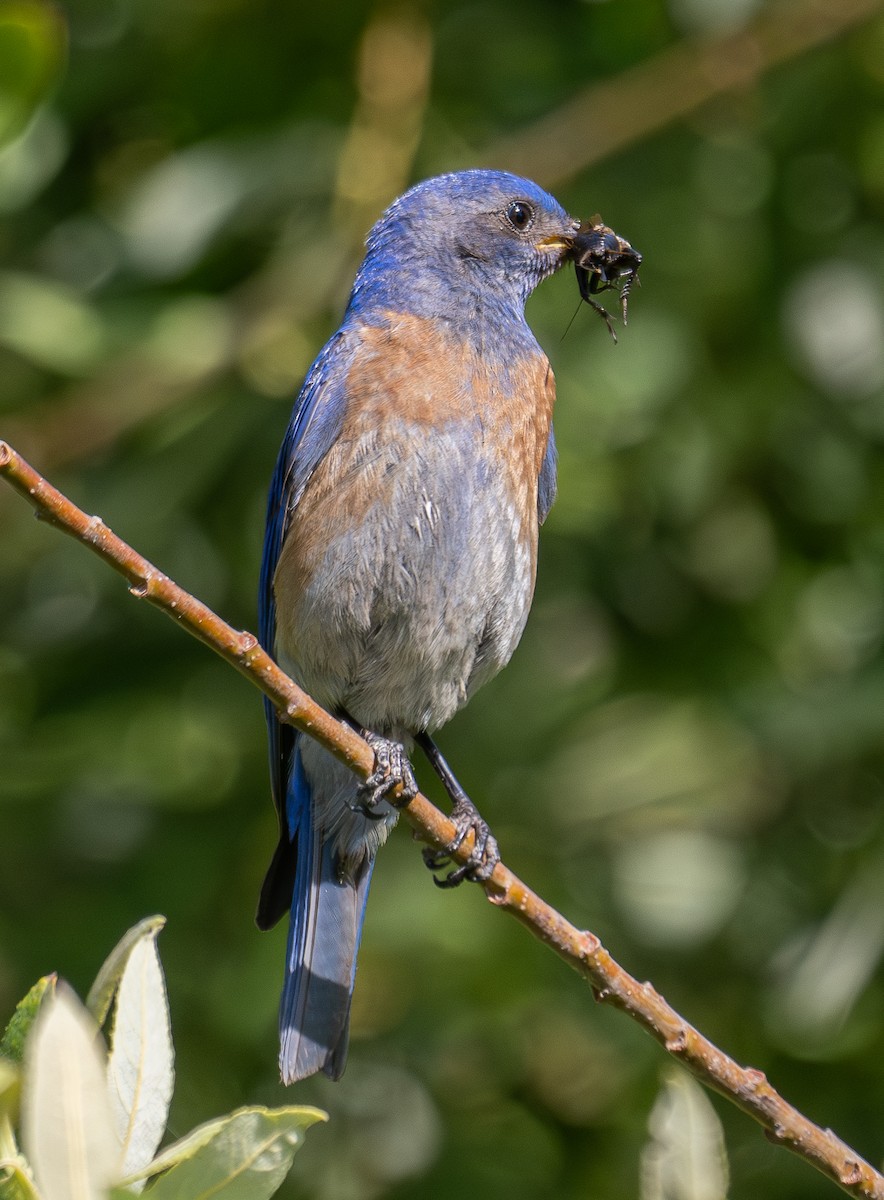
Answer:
[(363, 807), (391, 768), (484, 855)]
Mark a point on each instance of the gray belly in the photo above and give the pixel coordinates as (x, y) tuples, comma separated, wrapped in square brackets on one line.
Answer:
[(417, 604)]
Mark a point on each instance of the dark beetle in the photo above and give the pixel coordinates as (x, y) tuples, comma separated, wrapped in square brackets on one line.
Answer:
[(603, 260)]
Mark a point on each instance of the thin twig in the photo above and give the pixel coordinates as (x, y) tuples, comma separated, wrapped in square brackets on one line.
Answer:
[(746, 1088)]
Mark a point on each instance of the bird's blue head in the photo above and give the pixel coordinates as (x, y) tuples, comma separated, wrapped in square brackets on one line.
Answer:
[(463, 246)]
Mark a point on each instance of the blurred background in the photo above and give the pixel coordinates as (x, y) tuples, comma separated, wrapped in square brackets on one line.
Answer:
[(686, 754)]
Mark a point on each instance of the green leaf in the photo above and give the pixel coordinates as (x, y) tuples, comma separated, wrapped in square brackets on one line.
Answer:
[(101, 994), (9, 1081), (10, 1085), (33, 43), (243, 1156), (13, 1042), (15, 1180), (67, 1131), (140, 1072)]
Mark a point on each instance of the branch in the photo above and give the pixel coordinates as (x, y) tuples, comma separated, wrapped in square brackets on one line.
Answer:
[(606, 117), (745, 1087), (597, 121)]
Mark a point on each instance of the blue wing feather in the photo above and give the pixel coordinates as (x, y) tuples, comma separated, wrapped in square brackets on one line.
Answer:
[(546, 484), (316, 419)]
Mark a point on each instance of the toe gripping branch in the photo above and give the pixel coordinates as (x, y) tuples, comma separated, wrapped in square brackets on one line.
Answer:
[(485, 854), (391, 768)]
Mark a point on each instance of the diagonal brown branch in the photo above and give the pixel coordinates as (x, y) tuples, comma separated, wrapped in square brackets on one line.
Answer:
[(605, 117), (745, 1087)]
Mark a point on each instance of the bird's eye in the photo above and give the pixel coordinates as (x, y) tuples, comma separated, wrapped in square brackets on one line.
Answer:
[(520, 215)]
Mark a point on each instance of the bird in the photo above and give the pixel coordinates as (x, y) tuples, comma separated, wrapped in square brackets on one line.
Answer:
[(400, 553)]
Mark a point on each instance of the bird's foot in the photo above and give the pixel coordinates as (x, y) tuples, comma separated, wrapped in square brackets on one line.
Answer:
[(484, 855), (391, 768)]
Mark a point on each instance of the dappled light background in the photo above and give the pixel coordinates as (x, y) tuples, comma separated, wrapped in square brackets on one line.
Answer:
[(687, 752)]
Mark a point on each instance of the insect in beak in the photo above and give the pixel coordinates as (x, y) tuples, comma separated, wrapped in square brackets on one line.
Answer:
[(604, 260)]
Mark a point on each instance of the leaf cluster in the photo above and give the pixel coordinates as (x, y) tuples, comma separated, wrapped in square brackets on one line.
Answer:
[(91, 1119)]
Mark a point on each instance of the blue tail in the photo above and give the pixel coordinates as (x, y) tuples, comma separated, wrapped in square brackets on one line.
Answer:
[(325, 926)]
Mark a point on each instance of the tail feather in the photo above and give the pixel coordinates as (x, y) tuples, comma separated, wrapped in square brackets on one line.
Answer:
[(326, 923)]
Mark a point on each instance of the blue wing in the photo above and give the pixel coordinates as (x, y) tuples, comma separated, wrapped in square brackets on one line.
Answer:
[(546, 484), (304, 878), (315, 422)]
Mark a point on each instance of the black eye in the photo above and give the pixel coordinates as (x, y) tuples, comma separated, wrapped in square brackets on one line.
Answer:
[(520, 215)]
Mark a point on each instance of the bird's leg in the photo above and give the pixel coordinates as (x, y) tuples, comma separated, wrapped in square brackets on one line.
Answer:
[(391, 768), (484, 855)]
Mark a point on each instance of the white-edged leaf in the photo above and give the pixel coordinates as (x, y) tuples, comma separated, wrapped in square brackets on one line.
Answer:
[(243, 1156), (67, 1131), (140, 1069), (184, 1148), (101, 994), (685, 1157)]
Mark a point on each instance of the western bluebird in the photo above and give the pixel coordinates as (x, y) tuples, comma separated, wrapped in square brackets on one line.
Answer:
[(401, 549)]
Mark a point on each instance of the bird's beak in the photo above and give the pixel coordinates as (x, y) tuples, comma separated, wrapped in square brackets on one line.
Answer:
[(556, 249), (556, 241)]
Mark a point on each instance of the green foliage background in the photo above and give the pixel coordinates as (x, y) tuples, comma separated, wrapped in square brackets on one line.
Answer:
[(687, 753)]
